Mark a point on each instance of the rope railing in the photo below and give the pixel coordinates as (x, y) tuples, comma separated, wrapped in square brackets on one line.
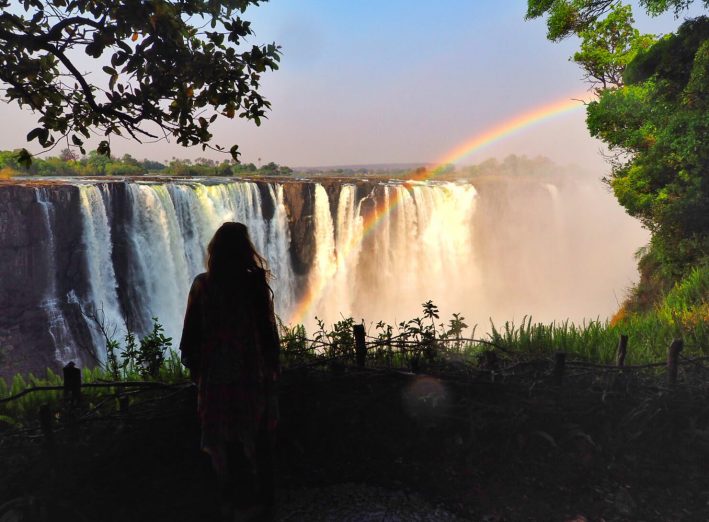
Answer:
[(364, 350)]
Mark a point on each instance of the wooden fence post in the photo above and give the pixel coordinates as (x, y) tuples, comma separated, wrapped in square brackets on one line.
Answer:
[(559, 365), (72, 384), (622, 350), (45, 424), (360, 345), (672, 360), (491, 361)]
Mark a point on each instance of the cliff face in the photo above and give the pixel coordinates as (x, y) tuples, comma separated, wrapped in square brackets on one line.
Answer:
[(299, 199), (36, 271)]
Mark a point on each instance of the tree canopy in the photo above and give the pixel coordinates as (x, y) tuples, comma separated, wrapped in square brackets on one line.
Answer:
[(653, 113), (608, 45), (167, 68), (567, 17)]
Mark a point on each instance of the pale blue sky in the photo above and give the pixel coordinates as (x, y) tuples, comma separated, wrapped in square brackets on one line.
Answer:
[(379, 81)]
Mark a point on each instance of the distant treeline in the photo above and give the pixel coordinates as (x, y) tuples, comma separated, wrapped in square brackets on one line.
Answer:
[(510, 165), (69, 163)]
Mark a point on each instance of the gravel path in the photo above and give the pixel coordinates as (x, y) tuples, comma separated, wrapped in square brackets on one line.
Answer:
[(356, 502)]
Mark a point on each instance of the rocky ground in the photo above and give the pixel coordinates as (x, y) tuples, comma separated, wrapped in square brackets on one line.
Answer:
[(392, 446)]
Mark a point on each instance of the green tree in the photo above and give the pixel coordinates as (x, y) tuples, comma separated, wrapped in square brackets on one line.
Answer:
[(608, 45), (269, 169), (165, 62), (659, 122), (129, 160), (96, 162), (653, 112), (567, 17)]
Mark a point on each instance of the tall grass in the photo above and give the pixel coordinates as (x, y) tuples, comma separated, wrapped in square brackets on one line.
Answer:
[(683, 313), (23, 410)]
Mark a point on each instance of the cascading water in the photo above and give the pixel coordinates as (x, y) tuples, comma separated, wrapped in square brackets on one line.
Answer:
[(371, 250), (59, 330), (102, 308)]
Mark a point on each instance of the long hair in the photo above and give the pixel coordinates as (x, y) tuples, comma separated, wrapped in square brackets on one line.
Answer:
[(233, 262)]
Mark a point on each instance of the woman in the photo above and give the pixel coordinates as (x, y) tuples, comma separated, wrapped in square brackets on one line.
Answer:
[(230, 345)]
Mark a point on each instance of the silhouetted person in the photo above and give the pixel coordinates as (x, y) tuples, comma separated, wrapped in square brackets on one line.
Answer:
[(230, 345)]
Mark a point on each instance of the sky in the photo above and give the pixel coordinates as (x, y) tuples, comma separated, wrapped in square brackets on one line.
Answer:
[(397, 81)]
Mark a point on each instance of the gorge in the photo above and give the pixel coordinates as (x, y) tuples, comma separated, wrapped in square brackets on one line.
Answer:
[(125, 250)]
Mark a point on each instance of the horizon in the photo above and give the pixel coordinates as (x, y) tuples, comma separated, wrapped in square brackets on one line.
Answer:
[(352, 90)]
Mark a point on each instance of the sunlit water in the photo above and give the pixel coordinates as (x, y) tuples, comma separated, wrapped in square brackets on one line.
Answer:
[(555, 252)]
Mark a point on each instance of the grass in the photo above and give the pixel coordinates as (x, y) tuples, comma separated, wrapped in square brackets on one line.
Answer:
[(682, 313), (19, 412)]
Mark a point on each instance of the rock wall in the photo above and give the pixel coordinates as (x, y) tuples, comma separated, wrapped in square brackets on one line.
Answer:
[(29, 269)]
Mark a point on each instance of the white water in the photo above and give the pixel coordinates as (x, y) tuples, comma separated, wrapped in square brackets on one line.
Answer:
[(102, 309), (58, 327), (434, 243), (170, 227), (420, 250)]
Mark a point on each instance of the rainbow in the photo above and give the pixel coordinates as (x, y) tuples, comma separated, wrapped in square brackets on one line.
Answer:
[(497, 133)]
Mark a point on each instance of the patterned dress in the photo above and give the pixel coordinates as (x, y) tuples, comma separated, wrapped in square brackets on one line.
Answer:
[(230, 345)]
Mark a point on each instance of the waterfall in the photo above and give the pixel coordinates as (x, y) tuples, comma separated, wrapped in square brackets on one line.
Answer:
[(160, 261), (373, 251), (102, 303), (171, 225), (325, 263), (57, 325), (418, 249), (278, 254)]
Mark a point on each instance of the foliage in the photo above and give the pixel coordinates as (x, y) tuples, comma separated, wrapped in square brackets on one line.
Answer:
[(659, 122), (95, 164), (608, 45), (419, 344), (150, 359), (294, 344), (199, 167), (567, 17), (653, 113), (144, 358), (339, 341), (161, 70), (150, 355)]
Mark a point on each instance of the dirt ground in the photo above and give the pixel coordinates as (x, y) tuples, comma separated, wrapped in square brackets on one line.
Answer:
[(388, 445)]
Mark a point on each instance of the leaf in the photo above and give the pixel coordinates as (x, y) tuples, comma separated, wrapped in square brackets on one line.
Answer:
[(24, 158), (234, 151), (76, 140), (35, 133), (9, 420), (104, 148), (134, 37)]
